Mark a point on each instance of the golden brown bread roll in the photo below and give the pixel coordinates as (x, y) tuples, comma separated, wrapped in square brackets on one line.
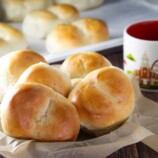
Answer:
[(103, 99), (13, 65), (65, 12), (64, 37), (94, 30), (15, 10), (35, 111), (80, 64), (38, 23), (81, 32), (11, 39), (47, 75)]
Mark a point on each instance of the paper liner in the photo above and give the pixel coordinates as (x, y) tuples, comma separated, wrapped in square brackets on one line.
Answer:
[(141, 126)]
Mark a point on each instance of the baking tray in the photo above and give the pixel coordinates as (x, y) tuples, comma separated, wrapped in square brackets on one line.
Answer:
[(116, 13)]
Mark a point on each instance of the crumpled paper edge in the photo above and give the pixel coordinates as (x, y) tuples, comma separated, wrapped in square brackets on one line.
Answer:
[(98, 147)]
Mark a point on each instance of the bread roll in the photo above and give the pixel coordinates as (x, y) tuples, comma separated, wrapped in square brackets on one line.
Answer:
[(65, 12), (13, 65), (50, 76), (104, 99), (80, 64), (39, 23), (15, 10), (79, 33), (95, 30), (34, 111), (64, 37), (82, 4), (11, 39)]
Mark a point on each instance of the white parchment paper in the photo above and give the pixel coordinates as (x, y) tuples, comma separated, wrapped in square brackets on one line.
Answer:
[(141, 126)]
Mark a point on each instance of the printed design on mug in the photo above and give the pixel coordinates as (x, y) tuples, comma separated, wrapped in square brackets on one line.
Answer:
[(132, 58), (147, 74)]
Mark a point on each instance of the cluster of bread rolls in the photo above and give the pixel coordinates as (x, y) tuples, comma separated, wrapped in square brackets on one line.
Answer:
[(33, 99), (15, 10), (13, 65), (58, 23), (102, 94), (39, 101), (37, 24), (79, 33), (11, 39), (62, 28)]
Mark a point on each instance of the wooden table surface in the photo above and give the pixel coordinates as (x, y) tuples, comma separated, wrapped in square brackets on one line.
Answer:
[(138, 150)]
